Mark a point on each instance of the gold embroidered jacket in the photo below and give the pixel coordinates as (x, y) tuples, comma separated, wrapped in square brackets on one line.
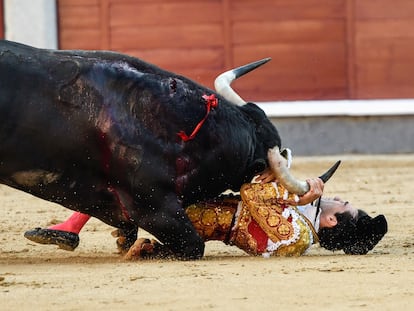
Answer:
[(260, 223)]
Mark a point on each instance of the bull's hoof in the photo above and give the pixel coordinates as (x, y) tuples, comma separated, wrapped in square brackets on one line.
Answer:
[(142, 249), (63, 239)]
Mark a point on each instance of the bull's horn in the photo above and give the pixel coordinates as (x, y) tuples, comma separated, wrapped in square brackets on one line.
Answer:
[(278, 164), (328, 174), (223, 81)]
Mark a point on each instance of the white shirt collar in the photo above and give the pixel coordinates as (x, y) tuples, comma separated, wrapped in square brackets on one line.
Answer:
[(309, 211)]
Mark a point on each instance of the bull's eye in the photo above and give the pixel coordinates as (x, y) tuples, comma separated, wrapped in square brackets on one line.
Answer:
[(173, 85)]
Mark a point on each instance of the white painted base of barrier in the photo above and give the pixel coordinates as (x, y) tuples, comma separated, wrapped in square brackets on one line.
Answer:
[(379, 107)]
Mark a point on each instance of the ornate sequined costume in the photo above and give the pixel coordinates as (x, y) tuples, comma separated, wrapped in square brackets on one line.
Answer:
[(260, 223)]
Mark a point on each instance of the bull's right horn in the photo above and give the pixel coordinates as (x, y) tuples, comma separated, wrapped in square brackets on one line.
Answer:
[(278, 165), (223, 81)]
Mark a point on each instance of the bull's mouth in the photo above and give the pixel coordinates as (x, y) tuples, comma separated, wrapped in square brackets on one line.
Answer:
[(279, 167)]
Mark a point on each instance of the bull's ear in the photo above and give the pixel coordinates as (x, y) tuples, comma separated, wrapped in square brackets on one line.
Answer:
[(257, 167)]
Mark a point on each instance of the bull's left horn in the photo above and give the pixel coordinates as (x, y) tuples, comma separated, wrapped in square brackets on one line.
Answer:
[(223, 81), (278, 165)]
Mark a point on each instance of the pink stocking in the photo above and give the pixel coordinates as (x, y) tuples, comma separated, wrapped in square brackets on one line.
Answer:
[(73, 224)]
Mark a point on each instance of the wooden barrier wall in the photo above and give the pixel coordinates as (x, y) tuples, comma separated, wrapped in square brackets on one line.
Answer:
[(321, 49), (382, 44)]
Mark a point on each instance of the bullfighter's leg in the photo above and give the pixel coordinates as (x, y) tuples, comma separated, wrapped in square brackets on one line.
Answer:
[(73, 224), (65, 234)]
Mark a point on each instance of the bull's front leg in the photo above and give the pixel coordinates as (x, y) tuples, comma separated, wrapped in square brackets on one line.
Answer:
[(125, 238), (148, 249), (170, 225)]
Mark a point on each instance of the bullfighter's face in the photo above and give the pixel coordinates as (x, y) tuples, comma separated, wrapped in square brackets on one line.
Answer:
[(330, 207)]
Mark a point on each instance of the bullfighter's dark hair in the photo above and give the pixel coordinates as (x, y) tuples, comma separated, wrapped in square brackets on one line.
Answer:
[(355, 236)]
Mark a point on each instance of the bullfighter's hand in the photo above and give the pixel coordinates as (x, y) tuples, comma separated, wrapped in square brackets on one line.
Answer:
[(316, 190), (265, 176)]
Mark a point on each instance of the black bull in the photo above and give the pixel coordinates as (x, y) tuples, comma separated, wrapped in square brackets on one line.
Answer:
[(97, 132)]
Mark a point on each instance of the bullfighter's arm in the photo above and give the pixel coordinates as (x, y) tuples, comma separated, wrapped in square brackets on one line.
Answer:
[(315, 191)]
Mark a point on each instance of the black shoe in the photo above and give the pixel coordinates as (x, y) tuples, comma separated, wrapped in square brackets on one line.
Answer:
[(65, 240)]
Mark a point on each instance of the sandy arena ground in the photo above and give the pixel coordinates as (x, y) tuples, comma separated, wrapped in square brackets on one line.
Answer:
[(94, 277)]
